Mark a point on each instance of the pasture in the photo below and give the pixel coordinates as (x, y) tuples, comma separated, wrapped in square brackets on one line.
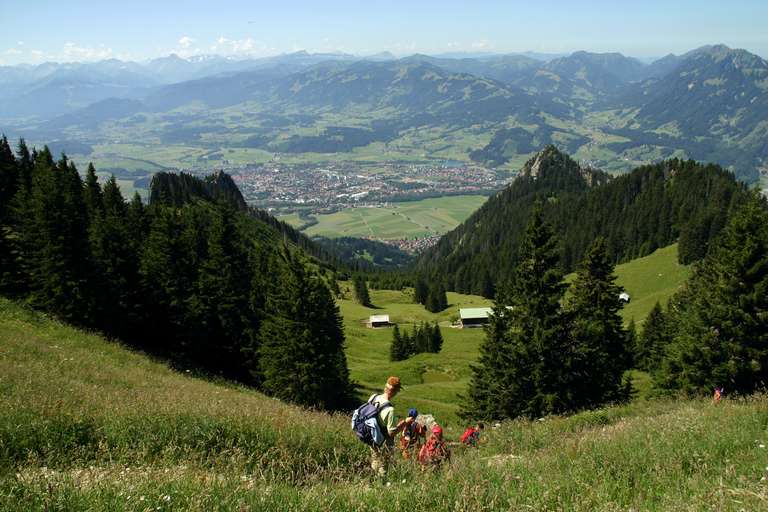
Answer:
[(408, 219)]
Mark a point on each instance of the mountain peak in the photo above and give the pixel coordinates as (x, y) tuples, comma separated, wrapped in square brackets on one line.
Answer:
[(552, 164), (545, 159)]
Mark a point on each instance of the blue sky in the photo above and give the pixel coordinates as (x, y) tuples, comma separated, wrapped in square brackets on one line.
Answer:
[(35, 31)]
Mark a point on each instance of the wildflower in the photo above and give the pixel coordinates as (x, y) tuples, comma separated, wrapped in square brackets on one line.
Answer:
[(141, 498), (762, 445), (167, 498)]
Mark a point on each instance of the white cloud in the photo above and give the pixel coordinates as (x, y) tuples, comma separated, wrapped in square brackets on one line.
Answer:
[(226, 46), (79, 53), (13, 51), (482, 45), (185, 42)]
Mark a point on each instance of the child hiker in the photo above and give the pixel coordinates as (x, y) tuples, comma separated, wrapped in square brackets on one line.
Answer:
[(471, 436), (412, 437), (435, 451)]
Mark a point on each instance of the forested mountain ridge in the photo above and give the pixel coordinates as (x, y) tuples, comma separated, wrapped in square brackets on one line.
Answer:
[(636, 213)]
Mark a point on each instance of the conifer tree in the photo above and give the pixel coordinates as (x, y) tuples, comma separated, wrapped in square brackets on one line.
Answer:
[(436, 339), (599, 353), (653, 340), (166, 279), (19, 228), (522, 369), (302, 342), (56, 235), (92, 193), (9, 182), (397, 351), (420, 290), (436, 298), (361, 291), (115, 256), (721, 323), (220, 302)]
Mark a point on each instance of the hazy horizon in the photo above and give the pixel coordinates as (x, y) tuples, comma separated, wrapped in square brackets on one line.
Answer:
[(445, 54), (85, 31)]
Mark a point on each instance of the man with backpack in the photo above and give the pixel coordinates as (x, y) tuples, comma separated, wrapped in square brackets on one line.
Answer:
[(381, 452)]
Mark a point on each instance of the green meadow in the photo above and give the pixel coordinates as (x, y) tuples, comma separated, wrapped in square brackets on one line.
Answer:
[(435, 382), (397, 220)]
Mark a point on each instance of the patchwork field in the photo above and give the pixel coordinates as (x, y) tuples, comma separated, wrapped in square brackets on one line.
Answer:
[(399, 220)]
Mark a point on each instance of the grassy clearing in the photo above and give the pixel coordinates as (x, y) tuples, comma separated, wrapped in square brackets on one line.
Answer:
[(433, 382), (88, 425), (399, 220), (436, 381), (655, 277)]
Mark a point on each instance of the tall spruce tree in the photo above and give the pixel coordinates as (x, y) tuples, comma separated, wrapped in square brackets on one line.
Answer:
[(436, 298), (721, 320), (302, 342), (436, 339), (599, 353), (92, 193), (361, 291), (397, 350), (9, 183), (114, 255), (653, 340), (220, 303), (420, 290), (56, 235), (522, 369)]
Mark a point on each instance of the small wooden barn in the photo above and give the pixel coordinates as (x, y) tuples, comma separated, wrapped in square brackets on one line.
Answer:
[(378, 321)]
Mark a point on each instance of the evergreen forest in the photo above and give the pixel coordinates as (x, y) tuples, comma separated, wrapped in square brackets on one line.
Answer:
[(193, 277)]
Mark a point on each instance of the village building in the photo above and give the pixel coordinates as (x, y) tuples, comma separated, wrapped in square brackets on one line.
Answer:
[(624, 297), (377, 321), (474, 317)]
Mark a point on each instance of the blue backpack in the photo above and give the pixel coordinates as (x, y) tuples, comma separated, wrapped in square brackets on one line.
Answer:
[(365, 422)]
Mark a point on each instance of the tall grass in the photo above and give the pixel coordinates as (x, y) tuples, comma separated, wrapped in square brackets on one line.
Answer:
[(87, 425)]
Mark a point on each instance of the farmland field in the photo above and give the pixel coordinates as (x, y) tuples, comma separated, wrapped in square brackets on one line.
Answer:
[(398, 220)]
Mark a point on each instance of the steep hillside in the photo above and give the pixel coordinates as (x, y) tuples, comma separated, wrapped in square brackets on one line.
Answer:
[(88, 425)]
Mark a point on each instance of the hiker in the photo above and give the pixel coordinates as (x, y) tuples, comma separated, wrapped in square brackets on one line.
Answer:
[(380, 455), (718, 395), (412, 436), (471, 436), (435, 451)]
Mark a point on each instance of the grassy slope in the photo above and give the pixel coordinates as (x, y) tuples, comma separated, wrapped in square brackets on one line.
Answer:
[(88, 425), (400, 220), (650, 279)]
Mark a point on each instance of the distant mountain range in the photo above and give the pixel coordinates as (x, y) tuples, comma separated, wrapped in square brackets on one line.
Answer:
[(606, 109)]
